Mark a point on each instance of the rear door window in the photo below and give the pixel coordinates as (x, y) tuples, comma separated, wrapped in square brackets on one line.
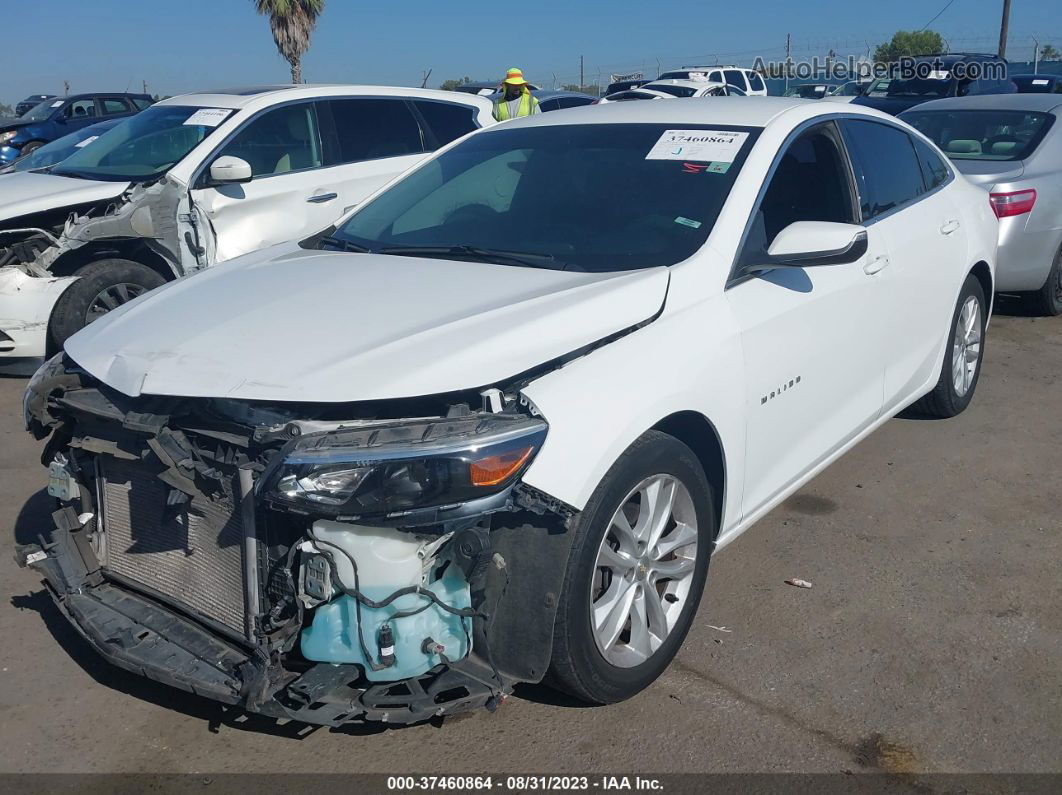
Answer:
[(370, 129), (112, 106), (888, 172), (447, 121), (735, 77)]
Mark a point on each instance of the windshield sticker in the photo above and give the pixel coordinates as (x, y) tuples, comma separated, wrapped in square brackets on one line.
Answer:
[(688, 222), (57, 104), (939, 74), (715, 167), (1040, 82), (86, 142), (705, 146), (207, 117)]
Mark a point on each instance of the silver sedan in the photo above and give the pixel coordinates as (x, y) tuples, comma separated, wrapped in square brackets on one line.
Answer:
[(1011, 144)]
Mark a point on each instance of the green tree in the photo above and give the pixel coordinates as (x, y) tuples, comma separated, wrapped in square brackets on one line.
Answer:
[(451, 85), (292, 23), (6, 110), (909, 43), (1049, 52)]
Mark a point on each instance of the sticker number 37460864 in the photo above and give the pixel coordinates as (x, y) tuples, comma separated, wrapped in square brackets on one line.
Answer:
[(705, 146)]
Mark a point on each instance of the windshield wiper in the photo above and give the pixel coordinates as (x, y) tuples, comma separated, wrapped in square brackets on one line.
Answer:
[(338, 244), (524, 259)]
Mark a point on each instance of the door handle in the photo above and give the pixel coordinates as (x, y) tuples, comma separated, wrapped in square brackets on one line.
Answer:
[(948, 227), (321, 198), (876, 265)]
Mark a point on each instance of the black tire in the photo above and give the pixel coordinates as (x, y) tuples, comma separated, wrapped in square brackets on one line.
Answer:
[(71, 313), (32, 146), (578, 667), (1047, 301), (945, 401)]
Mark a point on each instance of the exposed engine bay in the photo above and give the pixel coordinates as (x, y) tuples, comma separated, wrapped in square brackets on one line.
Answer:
[(323, 563), (155, 214)]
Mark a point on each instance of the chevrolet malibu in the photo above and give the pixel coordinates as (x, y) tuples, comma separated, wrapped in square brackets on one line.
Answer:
[(493, 424)]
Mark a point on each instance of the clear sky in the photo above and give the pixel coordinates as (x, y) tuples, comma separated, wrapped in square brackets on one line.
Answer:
[(194, 44)]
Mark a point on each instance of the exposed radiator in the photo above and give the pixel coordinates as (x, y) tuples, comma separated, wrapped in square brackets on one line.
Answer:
[(191, 552)]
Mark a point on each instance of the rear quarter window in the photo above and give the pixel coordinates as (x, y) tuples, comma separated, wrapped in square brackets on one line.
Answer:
[(447, 121)]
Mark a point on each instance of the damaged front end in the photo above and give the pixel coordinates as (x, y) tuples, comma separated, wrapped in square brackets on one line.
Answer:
[(328, 564)]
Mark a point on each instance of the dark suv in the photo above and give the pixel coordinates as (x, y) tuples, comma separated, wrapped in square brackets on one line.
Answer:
[(918, 80), (61, 116)]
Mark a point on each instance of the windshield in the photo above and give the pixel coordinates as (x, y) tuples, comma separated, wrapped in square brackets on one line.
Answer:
[(62, 148), (622, 96), (41, 111), (675, 91), (921, 87), (144, 146), (878, 88), (591, 197), (982, 134)]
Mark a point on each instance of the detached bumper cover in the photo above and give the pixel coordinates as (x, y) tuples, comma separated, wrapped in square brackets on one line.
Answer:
[(26, 304)]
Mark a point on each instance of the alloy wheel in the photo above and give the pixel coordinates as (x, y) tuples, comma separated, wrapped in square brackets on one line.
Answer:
[(112, 297), (966, 348), (643, 572)]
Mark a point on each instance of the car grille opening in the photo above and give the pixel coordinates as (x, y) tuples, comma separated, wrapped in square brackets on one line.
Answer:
[(188, 549)]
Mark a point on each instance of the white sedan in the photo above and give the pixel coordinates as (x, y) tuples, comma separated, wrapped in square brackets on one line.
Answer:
[(672, 89), (496, 422), (195, 180)]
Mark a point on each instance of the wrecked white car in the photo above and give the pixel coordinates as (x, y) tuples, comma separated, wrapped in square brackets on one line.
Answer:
[(495, 422), (193, 181)]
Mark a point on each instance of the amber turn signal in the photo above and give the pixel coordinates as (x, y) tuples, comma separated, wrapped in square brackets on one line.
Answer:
[(494, 469)]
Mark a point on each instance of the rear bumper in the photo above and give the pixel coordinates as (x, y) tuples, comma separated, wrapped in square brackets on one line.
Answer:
[(1024, 258), (26, 304)]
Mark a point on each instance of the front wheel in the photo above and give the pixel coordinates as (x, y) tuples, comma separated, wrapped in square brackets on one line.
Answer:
[(102, 286), (962, 359), (636, 572)]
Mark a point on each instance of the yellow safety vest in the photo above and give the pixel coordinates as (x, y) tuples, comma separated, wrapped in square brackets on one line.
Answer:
[(528, 105)]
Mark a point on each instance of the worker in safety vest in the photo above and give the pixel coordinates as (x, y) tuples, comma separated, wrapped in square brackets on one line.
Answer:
[(516, 99)]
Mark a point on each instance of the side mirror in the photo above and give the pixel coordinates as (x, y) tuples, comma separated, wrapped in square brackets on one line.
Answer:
[(806, 244), (229, 170)]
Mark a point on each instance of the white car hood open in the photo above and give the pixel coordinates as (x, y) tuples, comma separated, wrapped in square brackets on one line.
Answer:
[(26, 192), (335, 327)]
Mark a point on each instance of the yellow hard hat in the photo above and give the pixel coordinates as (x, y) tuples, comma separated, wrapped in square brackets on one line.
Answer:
[(515, 77)]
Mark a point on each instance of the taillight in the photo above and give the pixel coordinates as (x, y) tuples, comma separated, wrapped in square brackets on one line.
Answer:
[(1004, 205)]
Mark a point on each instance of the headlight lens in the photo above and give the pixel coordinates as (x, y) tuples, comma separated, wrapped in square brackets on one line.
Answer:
[(387, 470), (7, 136)]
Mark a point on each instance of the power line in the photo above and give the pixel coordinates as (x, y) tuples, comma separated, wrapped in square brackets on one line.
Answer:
[(934, 19)]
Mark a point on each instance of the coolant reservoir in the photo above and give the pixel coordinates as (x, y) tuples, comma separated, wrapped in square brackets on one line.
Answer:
[(388, 560)]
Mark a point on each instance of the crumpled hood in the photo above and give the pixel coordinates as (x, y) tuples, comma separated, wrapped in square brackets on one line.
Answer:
[(291, 325), (26, 192)]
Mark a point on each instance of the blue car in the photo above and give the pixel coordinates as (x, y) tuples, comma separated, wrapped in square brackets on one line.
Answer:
[(56, 118), (59, 150)]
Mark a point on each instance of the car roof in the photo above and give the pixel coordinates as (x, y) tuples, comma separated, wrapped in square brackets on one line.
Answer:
[(947, 59), (268, 95), (731, 111), (1044, 103), (674, 81)]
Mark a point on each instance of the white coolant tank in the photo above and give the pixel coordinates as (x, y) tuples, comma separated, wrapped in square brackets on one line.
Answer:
[(387, 558)]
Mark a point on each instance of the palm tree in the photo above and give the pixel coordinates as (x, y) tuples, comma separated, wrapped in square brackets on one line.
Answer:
[(292, 22)]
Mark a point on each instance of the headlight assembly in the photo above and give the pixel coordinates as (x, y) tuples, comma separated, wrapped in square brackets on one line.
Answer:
[(7, 136), (395, 469)]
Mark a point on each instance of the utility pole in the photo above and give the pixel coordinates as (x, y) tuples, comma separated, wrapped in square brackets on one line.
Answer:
[(1036, 54), (788, 54), (66, 88), (424, 82), (1004, 29), (143, 86), (582, 82)]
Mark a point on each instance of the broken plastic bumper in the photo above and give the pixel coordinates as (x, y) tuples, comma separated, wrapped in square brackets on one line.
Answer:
[(146, 637), (26, 304)]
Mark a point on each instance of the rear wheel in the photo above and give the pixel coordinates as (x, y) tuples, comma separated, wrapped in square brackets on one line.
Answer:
[(1048, 299), (962, 360), (636, 572), (102, 286)]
